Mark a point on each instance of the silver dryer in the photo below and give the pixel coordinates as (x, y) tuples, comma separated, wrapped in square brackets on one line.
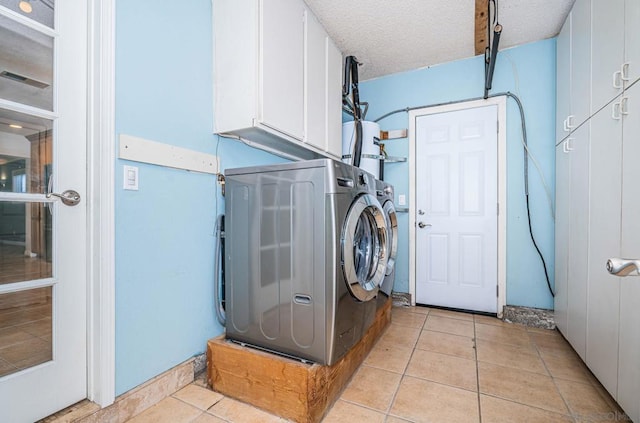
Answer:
[(306, 252), (385, 194)]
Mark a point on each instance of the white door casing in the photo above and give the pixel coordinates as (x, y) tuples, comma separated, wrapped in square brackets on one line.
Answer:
[(100, 200), (466, 275), (38, 391)]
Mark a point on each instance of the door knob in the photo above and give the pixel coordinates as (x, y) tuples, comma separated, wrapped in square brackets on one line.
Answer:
[(623, 267), (423, 225), (68, 198)]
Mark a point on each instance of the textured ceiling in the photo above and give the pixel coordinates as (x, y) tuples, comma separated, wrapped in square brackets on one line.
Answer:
[(389, 36)]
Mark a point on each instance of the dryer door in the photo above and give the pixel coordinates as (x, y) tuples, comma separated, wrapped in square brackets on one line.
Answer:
[(364, 247), (392, 234)]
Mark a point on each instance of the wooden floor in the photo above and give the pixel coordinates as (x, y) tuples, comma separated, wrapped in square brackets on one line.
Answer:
[(16, 267), (25, 316)]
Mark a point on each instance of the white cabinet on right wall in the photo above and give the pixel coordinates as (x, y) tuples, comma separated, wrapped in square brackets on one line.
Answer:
[(598, 195), (629, 329), (574, 70), (605, 179), (616, 45)]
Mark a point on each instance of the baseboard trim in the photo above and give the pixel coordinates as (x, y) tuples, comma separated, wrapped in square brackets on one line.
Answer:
[(142, 397)]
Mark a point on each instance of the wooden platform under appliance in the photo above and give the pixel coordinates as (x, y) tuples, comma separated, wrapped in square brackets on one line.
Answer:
[(282, 386)]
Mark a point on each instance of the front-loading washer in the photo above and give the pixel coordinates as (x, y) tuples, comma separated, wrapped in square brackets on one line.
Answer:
[(305, 254), (385, 195)]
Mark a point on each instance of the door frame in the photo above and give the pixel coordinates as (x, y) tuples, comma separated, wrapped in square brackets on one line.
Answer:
[(100, 203), (501, 103)]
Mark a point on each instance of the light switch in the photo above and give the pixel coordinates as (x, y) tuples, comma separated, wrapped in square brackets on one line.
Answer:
[(130, 178), (402, 200)]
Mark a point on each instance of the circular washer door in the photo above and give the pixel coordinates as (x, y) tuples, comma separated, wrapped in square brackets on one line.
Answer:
[(364, 247), (392, 234)]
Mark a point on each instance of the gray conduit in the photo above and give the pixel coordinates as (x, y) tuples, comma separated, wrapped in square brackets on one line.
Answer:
[(217, 285)]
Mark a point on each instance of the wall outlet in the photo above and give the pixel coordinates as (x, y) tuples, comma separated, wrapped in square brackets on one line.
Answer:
[(402, 200)]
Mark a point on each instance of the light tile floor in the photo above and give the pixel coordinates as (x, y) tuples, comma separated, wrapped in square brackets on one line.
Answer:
[(439, 366)]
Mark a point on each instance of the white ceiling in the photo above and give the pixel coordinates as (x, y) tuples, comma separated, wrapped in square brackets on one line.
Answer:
[(390, 36)]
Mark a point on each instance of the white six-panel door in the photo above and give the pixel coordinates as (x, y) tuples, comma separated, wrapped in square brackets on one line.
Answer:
[(456, 209)]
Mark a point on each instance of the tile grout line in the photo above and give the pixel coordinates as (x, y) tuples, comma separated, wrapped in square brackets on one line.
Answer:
[(527, 405), (475, 348), (553, 379), (404, 372)]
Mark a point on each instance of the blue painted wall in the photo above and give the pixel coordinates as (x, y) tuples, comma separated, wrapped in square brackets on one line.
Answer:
[(528, 71), (165, 231)]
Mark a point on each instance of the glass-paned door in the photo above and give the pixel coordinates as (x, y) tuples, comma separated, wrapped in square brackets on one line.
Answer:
[(43, 85)]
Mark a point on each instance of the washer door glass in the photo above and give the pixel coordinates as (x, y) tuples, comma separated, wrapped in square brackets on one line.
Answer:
[(392, 234), (364, 247)]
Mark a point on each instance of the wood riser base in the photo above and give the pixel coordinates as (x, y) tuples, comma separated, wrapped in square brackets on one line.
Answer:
[(285, 387)]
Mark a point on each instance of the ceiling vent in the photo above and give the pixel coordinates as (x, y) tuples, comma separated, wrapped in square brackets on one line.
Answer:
[(23, 79)]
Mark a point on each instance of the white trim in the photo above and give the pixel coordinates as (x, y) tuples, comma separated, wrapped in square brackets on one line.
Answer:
[(501, 103), (28, 22), (101, 160), (26, 109), (23, 286)]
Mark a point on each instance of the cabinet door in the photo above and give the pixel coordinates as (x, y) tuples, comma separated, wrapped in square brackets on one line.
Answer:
[(607, 50), (282, 66), (632, 39), (605, 180), (580, 62), (629, 366), (563, 79), (563, 175), (334, 99), (578, 143), (315, 82)]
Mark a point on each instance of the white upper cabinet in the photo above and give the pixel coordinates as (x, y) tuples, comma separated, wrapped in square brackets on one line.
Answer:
[(580, 63), (574, 70), (315, 82), (632, 41), (563, 80), (274, 77), (608, 31), (281, 60), (323, 89), (333, 121)]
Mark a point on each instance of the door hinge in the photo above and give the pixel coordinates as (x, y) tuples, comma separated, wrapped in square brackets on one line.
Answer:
[(498, 209), (497, 291)]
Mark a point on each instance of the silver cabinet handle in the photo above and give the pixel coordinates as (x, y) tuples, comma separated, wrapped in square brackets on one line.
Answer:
[(623, 267), (68, 198), (423, 225)]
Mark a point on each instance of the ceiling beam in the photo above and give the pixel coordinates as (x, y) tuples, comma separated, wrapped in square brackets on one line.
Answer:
[(481, 42)]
